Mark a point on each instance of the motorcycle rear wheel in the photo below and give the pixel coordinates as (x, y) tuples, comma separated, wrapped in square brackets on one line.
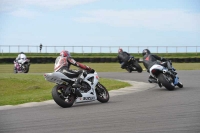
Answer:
[(102, 93), (60, 98), (165, 82)]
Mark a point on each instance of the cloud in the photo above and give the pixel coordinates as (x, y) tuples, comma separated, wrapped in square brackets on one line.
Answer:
[(10, 5), (25, 13), (179, 20), (55, 4), (21, 8)]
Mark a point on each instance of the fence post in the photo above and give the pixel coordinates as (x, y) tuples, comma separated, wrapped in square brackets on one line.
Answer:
[(196, 50), (167, 49), (186, 49), (157, 49)]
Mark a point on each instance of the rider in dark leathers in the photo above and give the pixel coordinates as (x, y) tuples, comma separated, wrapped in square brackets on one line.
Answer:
[(150, 59), (123, 58), (63, 63)]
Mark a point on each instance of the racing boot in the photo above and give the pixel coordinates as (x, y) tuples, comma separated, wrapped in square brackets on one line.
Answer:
[(159, 84), (128, 69), (77, 86), (152, 79)]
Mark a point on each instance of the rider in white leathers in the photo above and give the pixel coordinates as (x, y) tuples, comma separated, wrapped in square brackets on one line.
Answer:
[(20, 58), (63, 63)]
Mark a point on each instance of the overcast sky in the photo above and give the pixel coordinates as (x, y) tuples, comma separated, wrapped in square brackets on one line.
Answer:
[(100, 22)]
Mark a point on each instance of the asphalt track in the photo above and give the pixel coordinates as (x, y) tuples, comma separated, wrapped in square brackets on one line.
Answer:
[(144, 108)]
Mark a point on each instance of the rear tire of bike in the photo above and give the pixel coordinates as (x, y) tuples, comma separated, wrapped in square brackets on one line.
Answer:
[(102, 93), (60, 99), (169, 86), (138, 67)]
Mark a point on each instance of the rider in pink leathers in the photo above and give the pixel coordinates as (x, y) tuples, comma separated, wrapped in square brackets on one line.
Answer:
[(62, 64)]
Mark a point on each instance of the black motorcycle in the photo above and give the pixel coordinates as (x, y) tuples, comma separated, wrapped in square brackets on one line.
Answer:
[(133, 65)]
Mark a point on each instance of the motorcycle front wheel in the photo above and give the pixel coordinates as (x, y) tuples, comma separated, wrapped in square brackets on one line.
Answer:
[(15, 70), (102, 93), (166, 81), (62, 99), (26, 69), (137, 66)]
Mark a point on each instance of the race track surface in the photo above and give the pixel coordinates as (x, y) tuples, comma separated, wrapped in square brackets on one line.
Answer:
[(149, 109)]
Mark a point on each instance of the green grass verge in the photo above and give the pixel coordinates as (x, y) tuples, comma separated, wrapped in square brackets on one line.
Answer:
[(99, 67), (23, 88), (86, 55)]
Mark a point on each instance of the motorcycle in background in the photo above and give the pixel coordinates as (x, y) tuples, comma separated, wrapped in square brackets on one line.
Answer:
[(64, 94), (22, 67), (165, 77), (133, 65)]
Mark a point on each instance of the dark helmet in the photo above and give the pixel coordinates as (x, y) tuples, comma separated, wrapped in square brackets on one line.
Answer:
[(120, 50), (145, 52), (65, 53), (21, 52)]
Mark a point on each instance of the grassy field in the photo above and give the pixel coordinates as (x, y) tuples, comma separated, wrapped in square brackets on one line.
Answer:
[(166, 55), (22, 88), (99, 67)]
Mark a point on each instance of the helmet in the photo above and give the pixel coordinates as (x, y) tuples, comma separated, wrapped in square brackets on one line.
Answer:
[(145, 52), (65, 53), (21, 52), (120, 50)]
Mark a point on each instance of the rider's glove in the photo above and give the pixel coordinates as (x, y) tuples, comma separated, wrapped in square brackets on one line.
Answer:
[(91, 71)]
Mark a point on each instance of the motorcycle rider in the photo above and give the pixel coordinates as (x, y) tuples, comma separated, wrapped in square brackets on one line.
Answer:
[(123, 58), (63, 63), (150, 59), (20, 58)]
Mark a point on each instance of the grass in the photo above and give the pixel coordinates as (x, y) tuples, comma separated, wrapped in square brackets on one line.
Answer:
[(99, 67), (22, 88), (76, 55)]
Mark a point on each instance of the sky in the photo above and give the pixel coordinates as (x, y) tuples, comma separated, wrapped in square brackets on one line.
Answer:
[(99, 23)]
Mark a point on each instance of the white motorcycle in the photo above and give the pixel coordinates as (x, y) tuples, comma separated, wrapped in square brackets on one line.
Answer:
[(64, 94), (164, 77)]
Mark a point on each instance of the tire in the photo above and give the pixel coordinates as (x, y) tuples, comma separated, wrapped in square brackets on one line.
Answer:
[(138, 67), (180, 85), (129, 70), (60, 98), (163, 79), (14, 70), (102, 93), (27, 68)]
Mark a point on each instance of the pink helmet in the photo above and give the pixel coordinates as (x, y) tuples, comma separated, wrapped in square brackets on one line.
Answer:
[(65, 53), (120, 50)]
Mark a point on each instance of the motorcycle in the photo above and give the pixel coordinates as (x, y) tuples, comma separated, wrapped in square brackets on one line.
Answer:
[(64, 94), (22, 67), (165, 77), (133, 65)]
